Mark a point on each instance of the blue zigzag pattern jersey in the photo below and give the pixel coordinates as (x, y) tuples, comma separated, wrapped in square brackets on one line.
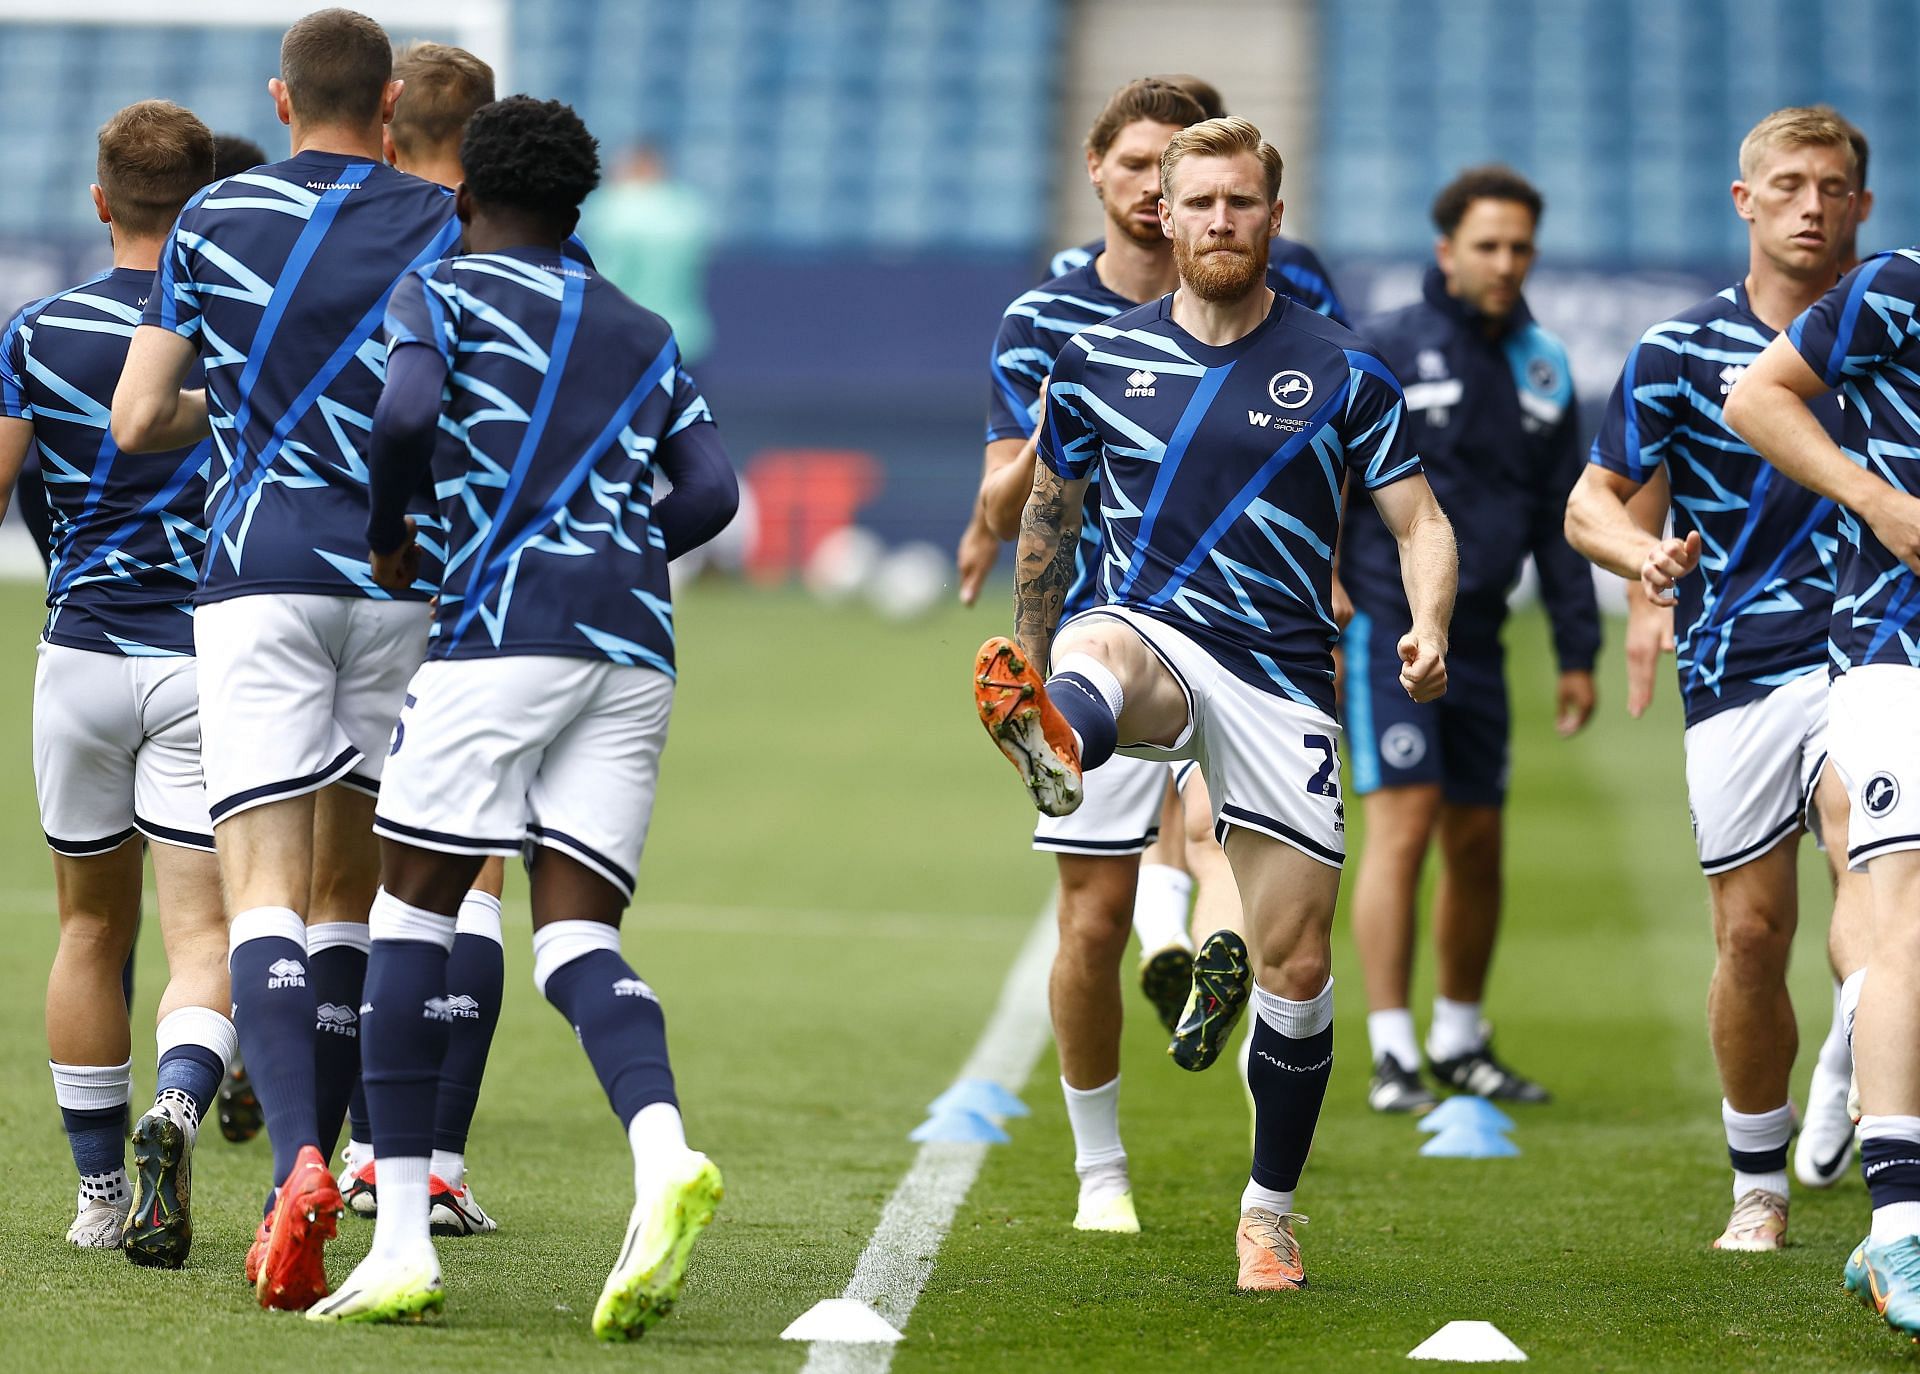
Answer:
[(280, 277), (560, 390), (1757, 615), (127, 528), (1220, 471), (1293, 269), (1032, 332), (1863, 338)]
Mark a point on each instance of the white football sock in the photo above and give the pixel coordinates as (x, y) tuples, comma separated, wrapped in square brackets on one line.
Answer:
[(401, 1227), (1097, 673), (1758, 1133), (1455, 1030), (1160, 905), (449, 1168), (1836, 1055), (1253, 1195), (1390, 1032), (1094, 1114), (658, 1137)]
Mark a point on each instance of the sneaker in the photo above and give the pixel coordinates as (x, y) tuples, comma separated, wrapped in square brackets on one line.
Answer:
[(665, 1222), (1759, 1222), (159, 1229), (1825, 1146), (1398, 1089), (1222, 982), (306, 1215), (237, 1107), (1889, 1281), (1166, 976), (1269, 1254), (1479, 1073), (382, 1289), (357, 1191), (1106, 1202), (1012, 701), (456, 1212), (97, 1224)]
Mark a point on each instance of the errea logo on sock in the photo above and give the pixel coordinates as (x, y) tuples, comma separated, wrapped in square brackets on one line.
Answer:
[(333, 1019), (286, 973), (462, 1005), (633, 987)]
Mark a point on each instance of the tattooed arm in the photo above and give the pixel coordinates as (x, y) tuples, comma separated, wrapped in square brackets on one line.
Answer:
[(1043, 570)]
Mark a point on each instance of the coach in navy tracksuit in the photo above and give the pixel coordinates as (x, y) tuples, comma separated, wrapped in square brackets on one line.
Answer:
[(1491, 404)]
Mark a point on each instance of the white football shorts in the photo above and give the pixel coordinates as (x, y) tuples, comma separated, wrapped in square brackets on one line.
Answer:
[(116, 751), (492, 754), (300, 691), (1272, 765), (1119, 811), (1876, 749), (1751, 772)]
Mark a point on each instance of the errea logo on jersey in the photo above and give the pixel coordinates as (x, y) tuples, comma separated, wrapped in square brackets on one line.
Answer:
[(1140, 382), (286, 973), (1730, 374)]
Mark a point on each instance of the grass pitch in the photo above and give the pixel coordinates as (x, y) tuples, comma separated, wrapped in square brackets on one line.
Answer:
[(835, 885)]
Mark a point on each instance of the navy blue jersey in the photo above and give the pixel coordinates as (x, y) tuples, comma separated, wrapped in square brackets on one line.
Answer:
[(127, 531), (1757, 614), (1222, 469), (1863, 338), (1032, 333), (1493, 416), (1293, 269), (559, 391), (280, 278)]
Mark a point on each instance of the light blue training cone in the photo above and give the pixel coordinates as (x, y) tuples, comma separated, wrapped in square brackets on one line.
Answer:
[(1474, 1112), (981, 1095), (954, 1124), (1464, 1142)]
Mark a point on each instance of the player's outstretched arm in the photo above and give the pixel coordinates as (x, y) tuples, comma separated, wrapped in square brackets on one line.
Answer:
[(1430, 571), (150, 413), (406, 423), (1768, 408), (1004, 492), (1043, 568), (980, 542)]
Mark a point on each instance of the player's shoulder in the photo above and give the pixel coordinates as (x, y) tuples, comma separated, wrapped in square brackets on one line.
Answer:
[(1067, 259), (1303, 328), (1706, 331), (83, 297), (634, 321), (1075, 292)]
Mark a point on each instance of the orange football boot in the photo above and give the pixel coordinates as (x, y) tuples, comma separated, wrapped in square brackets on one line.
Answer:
[(1269, 1255), (293, 1273), (1012, 701)]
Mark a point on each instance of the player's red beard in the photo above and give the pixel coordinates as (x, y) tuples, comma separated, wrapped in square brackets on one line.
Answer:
[(1220, 272), (1147, 235)]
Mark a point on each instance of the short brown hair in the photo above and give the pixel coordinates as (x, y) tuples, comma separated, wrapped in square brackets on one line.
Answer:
[(336, 64), (445, 85), (1800, 126), (1205, 93), (153, 156), (1148, 98), (1227, 136), (1492, 182)]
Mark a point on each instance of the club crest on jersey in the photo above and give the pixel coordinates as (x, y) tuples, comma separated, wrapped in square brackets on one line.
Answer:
[(286, 973), (1290, 390), (1543, 376), (331, 1018), (1431, 365), (1880, 795), (1140, 382)]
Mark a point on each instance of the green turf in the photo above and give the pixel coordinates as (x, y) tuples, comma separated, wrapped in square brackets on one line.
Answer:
[(835, 885)]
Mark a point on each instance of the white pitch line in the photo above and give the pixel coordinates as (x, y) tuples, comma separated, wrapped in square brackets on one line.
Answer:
[(899, 1258)]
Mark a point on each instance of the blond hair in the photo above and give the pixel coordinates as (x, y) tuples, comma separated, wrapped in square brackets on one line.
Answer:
[(1798, 126), (1228, 136), (445, 85)]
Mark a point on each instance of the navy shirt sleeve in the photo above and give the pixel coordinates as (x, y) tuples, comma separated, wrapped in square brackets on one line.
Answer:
[(174, 302), (1379, 447), (1018, 366), (1070, 441), (1851, 331), (14, 404), (1642, 414)]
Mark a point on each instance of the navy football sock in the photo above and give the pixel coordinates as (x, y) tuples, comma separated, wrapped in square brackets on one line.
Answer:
[(476, 979), (1287, 1074), (195, 1046), (93, 1111), (578, 967), (337, 957), (359, 1124), (1086, 692), (274, 1013), (405, 1025)]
